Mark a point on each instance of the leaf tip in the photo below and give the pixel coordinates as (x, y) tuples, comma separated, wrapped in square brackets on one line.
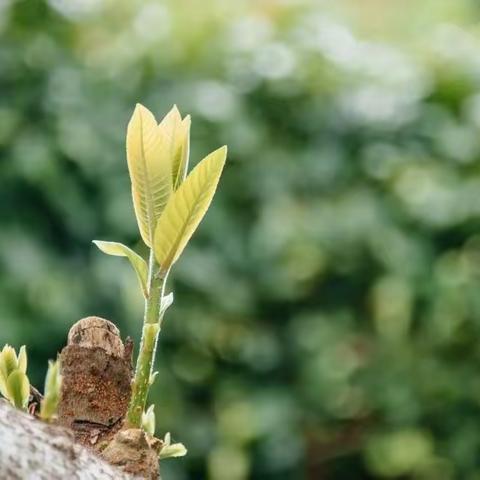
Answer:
[(221, 154), (141, 111), (173, 114)]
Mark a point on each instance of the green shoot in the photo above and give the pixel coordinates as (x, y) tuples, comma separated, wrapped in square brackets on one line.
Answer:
[(148, 420), (51, 397), (169, 206), (14, 383), (171, 450)]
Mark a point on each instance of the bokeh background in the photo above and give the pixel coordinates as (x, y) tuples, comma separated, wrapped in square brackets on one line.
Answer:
[(327, 314)]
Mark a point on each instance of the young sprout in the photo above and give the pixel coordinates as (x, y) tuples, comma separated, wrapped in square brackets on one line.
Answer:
[(14, 383), (148, 420), (51, 397), (169, 206), (170, 450)]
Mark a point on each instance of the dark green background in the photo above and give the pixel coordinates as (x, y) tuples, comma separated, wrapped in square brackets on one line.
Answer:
[(326, 320)]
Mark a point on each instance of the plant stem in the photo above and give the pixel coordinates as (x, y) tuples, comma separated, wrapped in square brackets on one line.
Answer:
[(148, 344)]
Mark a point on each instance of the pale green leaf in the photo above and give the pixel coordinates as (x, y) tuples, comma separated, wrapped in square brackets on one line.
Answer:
[(137, 262), (150, 167), (148, 420), (3, 386), (22, 359), (152, 378), (170, 127), (186, 208), (181, 153), (166, 302), (53, 384), (18, 388), (8, 361), (53, 379), (177, 133), (170, 450)]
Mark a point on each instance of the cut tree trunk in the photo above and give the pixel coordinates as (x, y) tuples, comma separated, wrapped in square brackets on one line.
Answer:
[(33, 450), (96, 370)]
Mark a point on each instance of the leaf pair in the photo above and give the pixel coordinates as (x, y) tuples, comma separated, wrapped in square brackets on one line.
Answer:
[(14, 383), (157, 156), (171, 450), (168, 206)]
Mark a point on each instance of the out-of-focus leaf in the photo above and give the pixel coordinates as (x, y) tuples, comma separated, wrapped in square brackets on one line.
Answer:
[(170, 450), (53, 384), (22, 359), (9, 364), (8, 361), (18, 388), (3, 386)]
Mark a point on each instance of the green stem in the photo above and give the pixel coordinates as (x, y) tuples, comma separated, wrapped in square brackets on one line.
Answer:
[(148, 344)]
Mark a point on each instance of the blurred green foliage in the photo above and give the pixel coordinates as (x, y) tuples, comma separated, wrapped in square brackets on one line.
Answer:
[(327, 312)]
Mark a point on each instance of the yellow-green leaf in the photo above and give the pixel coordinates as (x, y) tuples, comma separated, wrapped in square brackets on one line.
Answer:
[(150, 167), (18, 388), (53, 379), (138, 263), (53, 383), (170, 127), (3, 386), (177, 133), (22, 359), (186, 208), (8, 361), (181, 153)]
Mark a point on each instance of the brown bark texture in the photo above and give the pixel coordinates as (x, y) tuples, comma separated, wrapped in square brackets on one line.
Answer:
[(96, 370)]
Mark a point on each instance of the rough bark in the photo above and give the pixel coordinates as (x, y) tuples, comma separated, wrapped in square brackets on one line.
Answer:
[(136, 452), (97, 371), (33, 450)]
